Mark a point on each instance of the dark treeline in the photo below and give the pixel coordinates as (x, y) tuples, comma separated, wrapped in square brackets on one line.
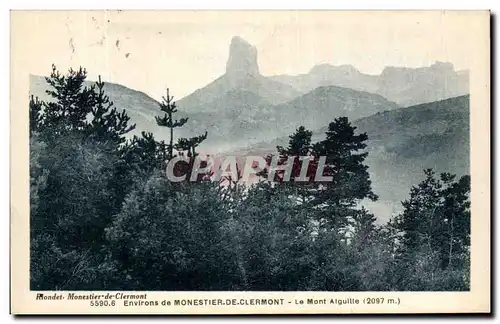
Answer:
[(104, 216)]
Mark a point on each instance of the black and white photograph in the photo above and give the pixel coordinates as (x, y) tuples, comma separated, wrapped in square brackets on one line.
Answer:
[(240, 152)]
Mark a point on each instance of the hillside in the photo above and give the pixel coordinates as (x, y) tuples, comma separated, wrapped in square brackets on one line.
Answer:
[(247, 124), (328, 102)]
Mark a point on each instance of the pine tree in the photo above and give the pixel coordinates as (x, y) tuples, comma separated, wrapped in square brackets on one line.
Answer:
[(435, 229), (455, 226), (350, 178), (36, 114), (76, 107), (72, 100), (106, 122), (299, 143), (169, 107), (190, 144), (76, 181), (299, 148), (421, 219)]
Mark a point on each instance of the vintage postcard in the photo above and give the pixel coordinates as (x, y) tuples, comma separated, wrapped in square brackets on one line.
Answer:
[(250, 162)]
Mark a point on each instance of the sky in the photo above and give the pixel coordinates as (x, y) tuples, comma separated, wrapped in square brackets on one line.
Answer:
[(185, 50)]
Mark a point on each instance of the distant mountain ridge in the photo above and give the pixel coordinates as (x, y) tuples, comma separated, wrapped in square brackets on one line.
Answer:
[(404, 86)]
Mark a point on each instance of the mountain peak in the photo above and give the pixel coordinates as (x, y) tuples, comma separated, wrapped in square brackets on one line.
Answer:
[(242, 57)]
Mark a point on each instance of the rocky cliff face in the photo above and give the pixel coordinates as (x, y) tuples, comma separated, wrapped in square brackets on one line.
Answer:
[(242, 58)]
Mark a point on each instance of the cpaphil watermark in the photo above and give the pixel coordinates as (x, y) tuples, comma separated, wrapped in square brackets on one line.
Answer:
[(249, 168)]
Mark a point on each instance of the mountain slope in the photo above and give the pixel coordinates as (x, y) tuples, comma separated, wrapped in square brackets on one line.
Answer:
[(404, 142), (249, 123), (326, 103)]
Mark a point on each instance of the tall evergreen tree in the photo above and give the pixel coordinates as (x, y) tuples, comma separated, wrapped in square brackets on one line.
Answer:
[(435, 229), (420, 220), (299, 143), (456, 222), (169, 107), (71, 100), (350, 183), (298, 149), (77, 147), (190, 144), (105, 120)]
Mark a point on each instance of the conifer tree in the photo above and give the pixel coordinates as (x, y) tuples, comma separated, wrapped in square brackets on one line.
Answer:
[(436, 218), (350, 183), (106, 122), (77, 107), (190, 144), (456, 222), (36, 114), (71, 100), (299, 143), (420, 220), (364, 225), (299, 148), (145, 154), (77, 179), (169, 107)]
